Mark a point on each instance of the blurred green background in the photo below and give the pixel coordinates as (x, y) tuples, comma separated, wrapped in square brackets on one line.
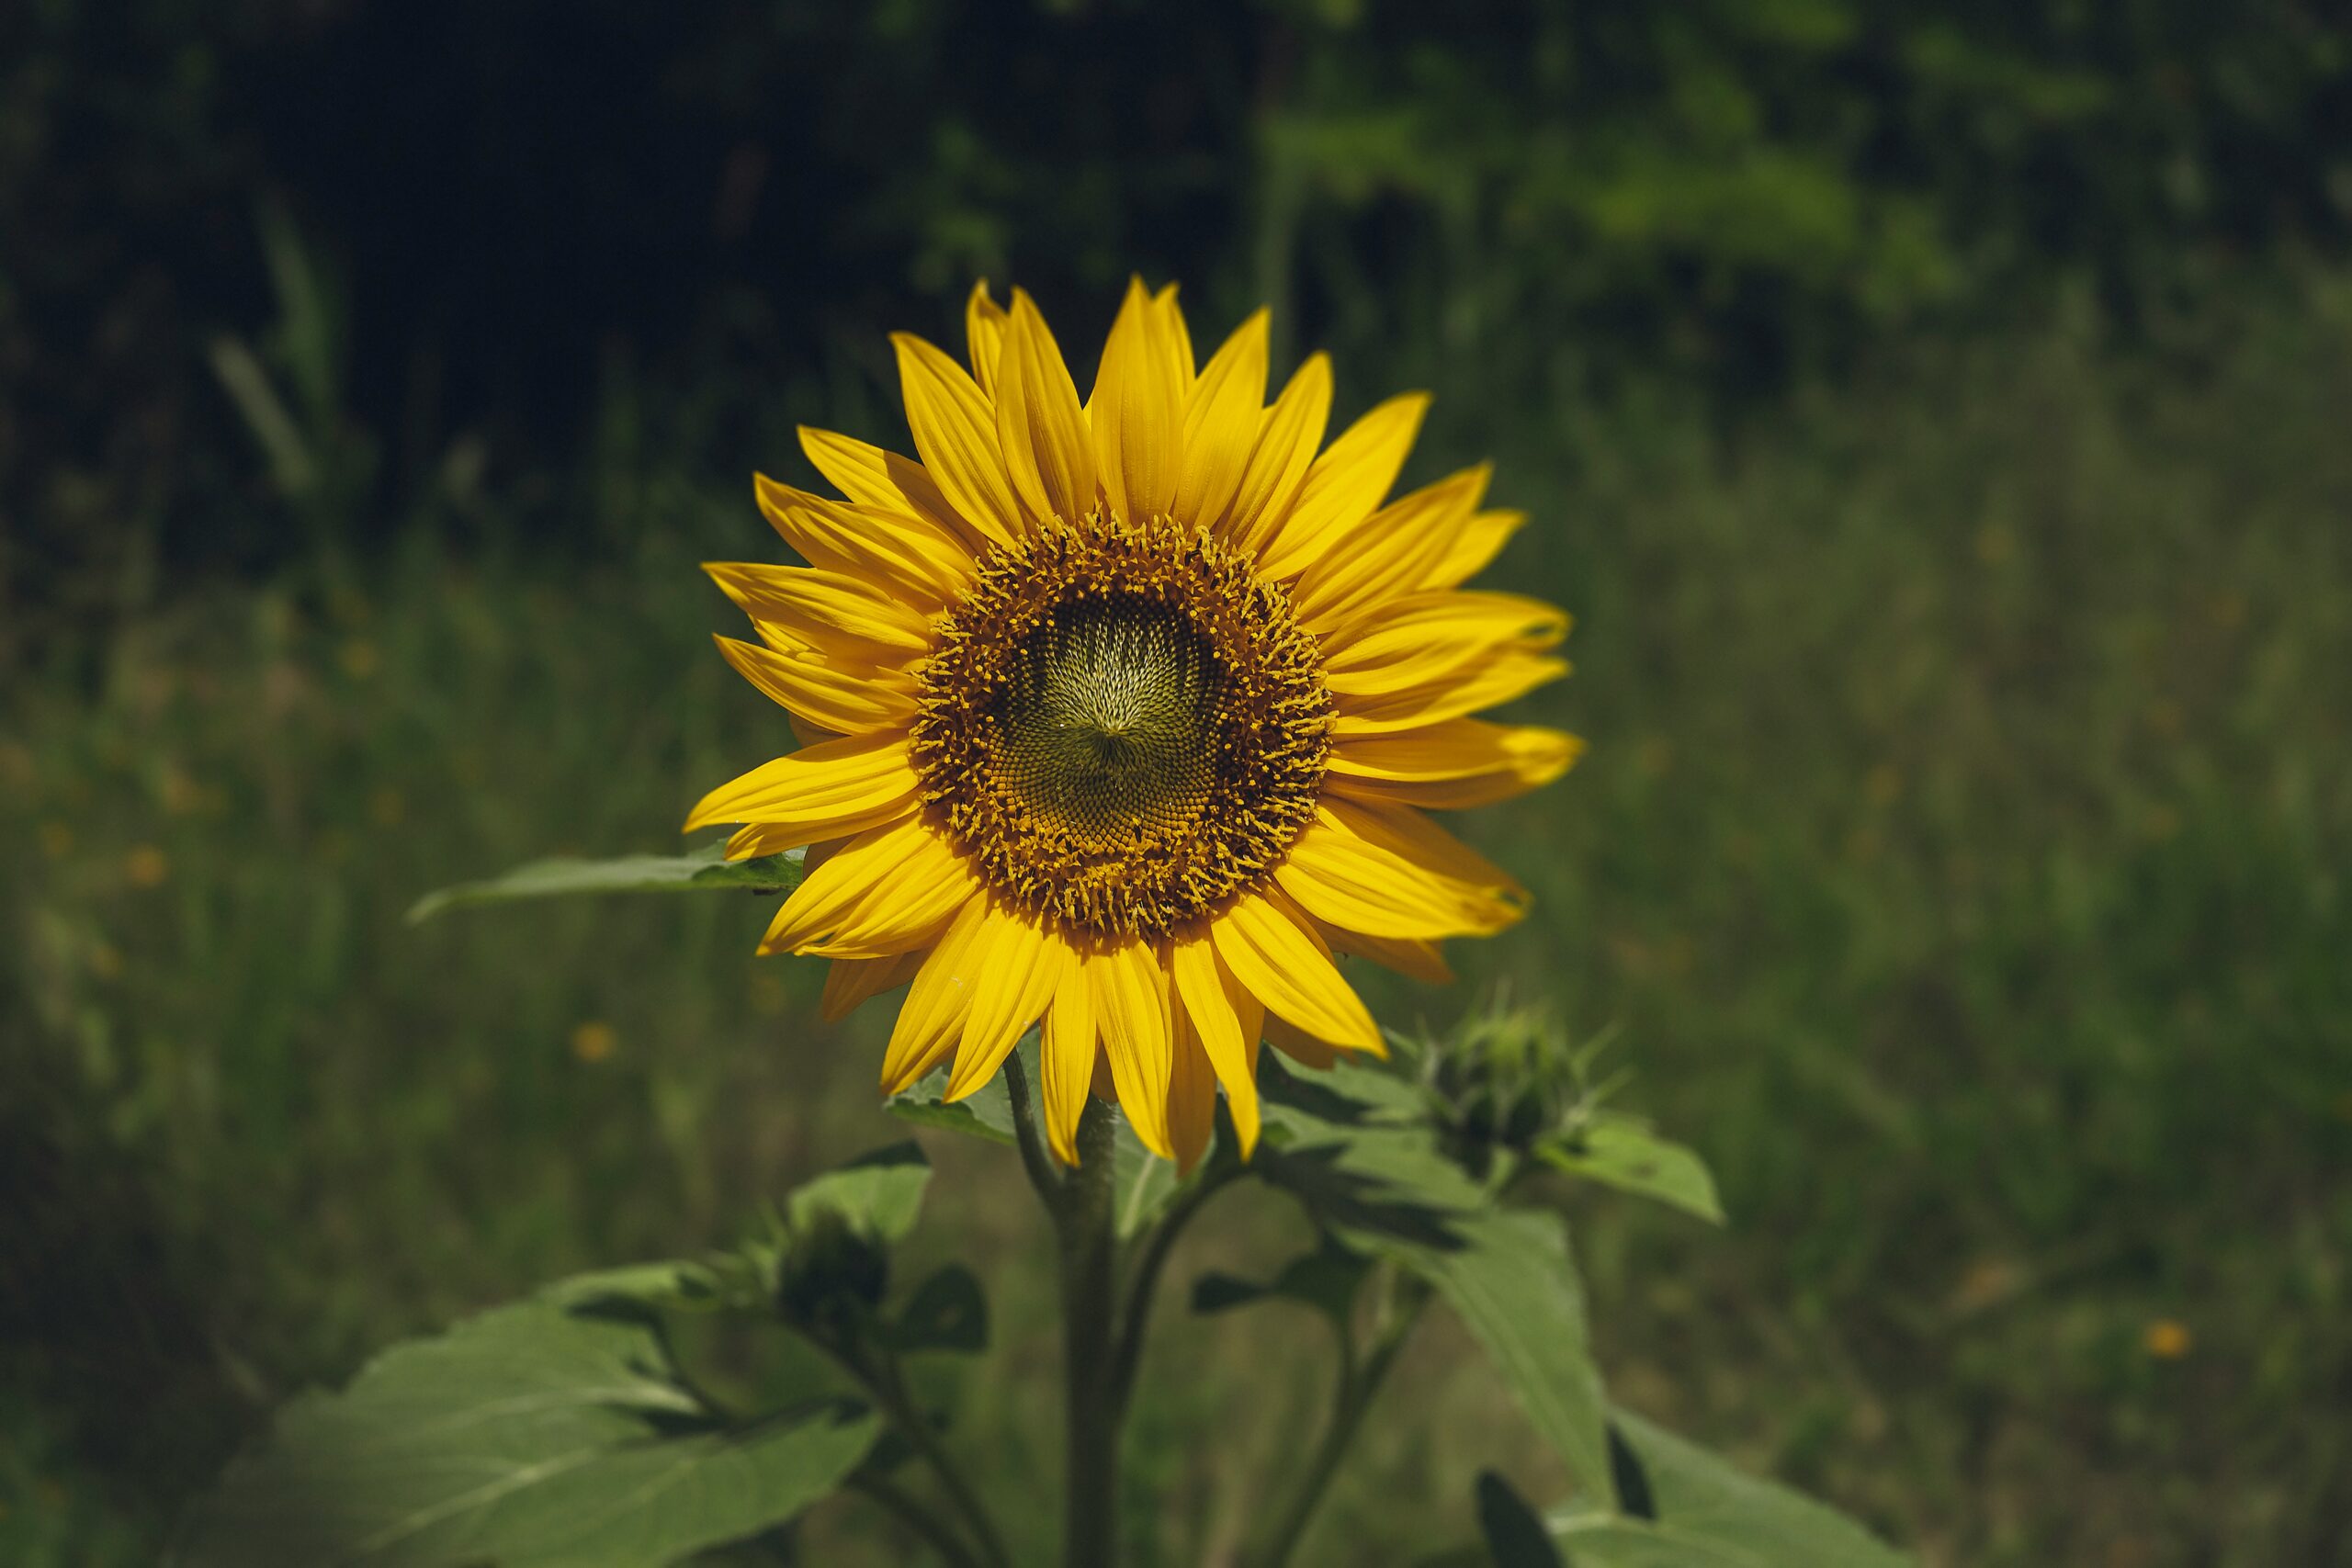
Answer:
[(1936, 415)]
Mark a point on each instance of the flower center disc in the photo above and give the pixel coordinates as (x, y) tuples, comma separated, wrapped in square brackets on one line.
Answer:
[(1123, 724)]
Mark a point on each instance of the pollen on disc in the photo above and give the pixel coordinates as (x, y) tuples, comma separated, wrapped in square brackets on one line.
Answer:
[(1123, 724)]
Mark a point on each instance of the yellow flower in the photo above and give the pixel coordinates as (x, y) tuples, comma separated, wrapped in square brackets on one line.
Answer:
[(1120, 715), (593, 1041)]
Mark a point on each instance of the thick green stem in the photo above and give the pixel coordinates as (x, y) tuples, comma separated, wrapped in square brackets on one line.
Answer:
[(1360, 1378), (1083, 1219)]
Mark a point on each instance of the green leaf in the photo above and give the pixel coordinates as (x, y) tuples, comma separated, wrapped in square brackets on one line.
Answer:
[(1510, 1279), (1326, 1278), (1621, 1153), (530, 1436), (877, 1195), (1515, 1534), (563, 875), (1388, 1188), (673, 1284), (986, 1113), (949, 1311), (1707, 1513)]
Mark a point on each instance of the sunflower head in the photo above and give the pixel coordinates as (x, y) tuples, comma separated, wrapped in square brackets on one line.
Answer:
[(1120, 717)]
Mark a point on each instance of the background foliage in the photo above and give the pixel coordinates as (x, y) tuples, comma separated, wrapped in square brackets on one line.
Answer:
[(1933, 413)]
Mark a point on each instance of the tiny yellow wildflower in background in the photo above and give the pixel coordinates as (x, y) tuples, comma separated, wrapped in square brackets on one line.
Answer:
[(2165, 1340), (146, 866), (106, 961), (593, 1041), (1882, 786), (360, 658), (56, 840)]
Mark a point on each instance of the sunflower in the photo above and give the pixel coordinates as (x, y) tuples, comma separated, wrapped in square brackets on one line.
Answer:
[(1119, 717)]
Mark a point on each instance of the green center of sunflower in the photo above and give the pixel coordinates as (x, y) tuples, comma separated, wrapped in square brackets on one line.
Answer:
[(1123, 724), (1106, 719)]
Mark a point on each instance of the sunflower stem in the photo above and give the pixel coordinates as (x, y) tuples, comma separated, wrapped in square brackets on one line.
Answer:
[(1359, 1376), (1089, 1254), (1034, 1159)]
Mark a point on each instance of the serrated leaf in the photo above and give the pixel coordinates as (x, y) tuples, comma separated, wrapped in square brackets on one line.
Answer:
[(1621, 1153), (1515, 1534), (563, 875), (530, 1436), (877, 1195), (948, 1312), (1510, 1280)]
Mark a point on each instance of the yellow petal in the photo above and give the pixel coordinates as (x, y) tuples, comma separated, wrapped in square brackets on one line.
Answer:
[(845, 702), (1191, 1098), (1406, 832), (1208, 1005), (1428, 636), (1048, 450), (1130, 999), (1415, 960), (1340, 877), (1286, 967), (1069, 1056), (931, 1020), (872, 477), (826, 610), (913, 558), (955, 430), (1281, 454), (983, 335), (1136, 413), (1462, 763), (850, 981), (1019, 968), (1502, 676), (1479, 541), (1344, 486), (886, 891), (1221, 420), (1385, 557), (1175, 339), (868, 777)]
